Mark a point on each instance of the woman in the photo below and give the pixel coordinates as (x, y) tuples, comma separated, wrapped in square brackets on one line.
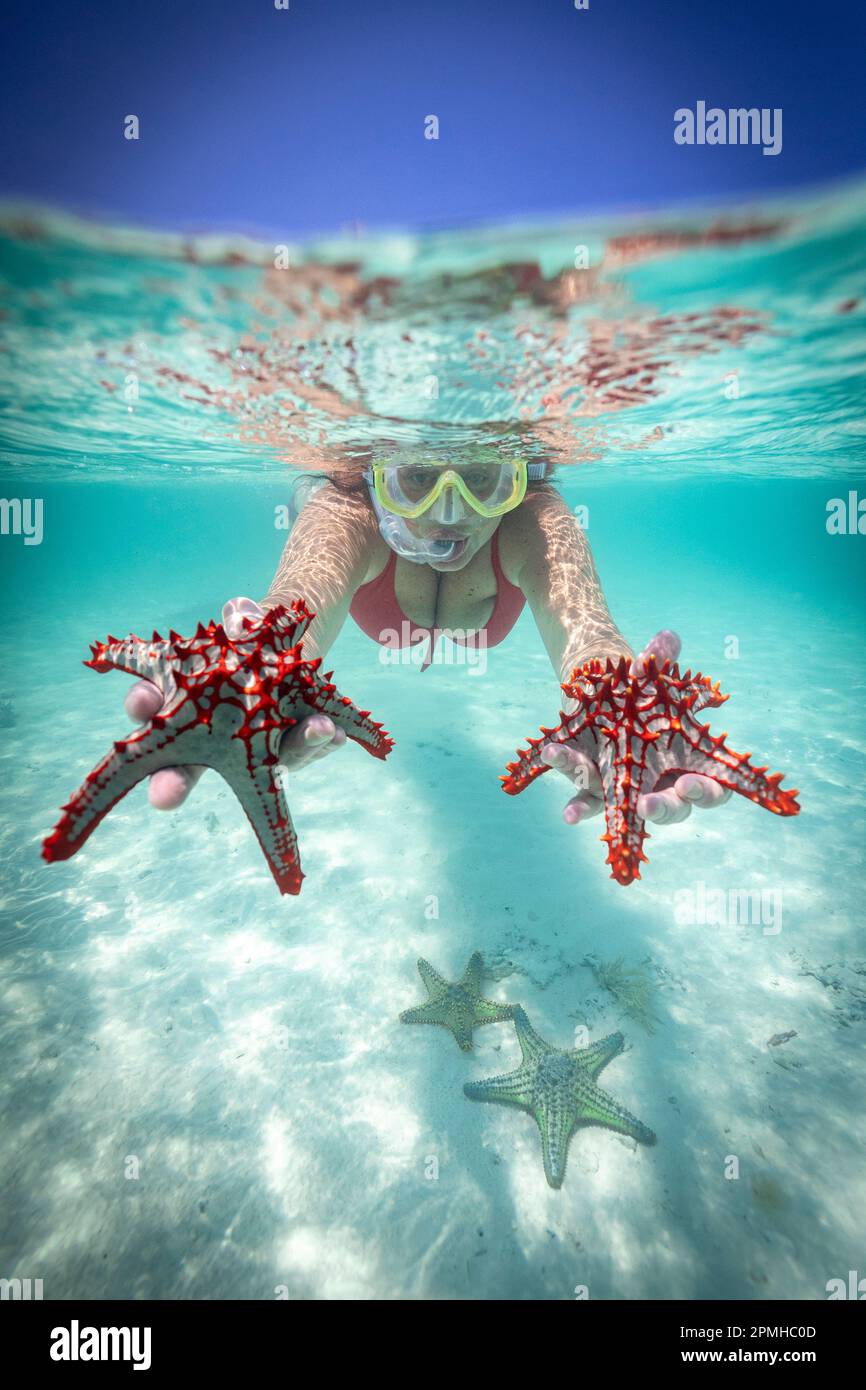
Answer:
[(418, 548)]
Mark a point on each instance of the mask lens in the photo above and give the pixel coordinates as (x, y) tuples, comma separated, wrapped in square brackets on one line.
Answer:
[(489, 482), (412, 482)]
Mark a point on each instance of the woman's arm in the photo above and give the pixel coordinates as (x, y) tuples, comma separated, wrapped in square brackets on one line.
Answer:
[(547, 554), (326, 558)]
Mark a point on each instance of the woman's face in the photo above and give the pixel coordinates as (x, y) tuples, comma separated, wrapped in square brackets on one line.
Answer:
[(460, 523), (452, 518)]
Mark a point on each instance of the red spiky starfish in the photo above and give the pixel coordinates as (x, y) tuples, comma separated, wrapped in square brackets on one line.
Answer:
[(638, 729), (228, 703)]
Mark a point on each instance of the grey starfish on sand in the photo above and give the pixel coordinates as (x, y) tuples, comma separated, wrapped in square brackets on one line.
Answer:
[(460, 1006), (558, 1088)]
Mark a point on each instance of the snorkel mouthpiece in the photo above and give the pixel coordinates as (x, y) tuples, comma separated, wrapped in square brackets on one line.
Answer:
[(442, 549)]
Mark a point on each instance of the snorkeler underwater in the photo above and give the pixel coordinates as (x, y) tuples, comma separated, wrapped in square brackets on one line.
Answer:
[(400, 408)]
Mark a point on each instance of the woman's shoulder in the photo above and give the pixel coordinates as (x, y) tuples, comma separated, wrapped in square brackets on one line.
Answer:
[(340, 520), (520, 529)]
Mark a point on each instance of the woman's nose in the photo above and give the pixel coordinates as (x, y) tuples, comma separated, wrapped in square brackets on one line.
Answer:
[(448, 508)]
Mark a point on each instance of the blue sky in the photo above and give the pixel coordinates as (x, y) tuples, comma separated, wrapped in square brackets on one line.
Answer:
[(308, 119)]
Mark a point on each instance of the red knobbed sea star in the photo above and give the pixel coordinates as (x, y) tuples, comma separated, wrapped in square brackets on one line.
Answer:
[(638, 729), (227, 705)]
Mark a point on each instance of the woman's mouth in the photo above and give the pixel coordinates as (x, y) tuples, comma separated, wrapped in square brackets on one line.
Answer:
[(458, 548)]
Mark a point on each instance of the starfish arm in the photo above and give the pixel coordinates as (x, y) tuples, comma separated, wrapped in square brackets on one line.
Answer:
[(431, 1012), (623, 769), (699, 752), (461, 1025), (461, 1022), (321, 695), (597, 1055), (263, 799), (471, 980), (433, 981), (132, 655), (128, 763), (556, 1123), (513, 1088), (486, 1011), (708, 696), (532, 1046), (597, 1107), (529, 763)]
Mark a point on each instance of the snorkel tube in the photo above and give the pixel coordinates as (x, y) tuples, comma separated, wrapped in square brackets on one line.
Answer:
[(396, 534)]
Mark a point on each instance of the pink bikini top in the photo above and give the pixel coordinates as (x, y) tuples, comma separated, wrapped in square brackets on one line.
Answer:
[(377, 612)]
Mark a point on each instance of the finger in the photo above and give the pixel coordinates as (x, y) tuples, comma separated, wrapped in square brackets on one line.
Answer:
[(312, 735), (581, 808), (143, 700), (324, 749), (238, 614), (663, 808), (574, 764), (701, 791), (171, 786), (340, 737), (665, 646)]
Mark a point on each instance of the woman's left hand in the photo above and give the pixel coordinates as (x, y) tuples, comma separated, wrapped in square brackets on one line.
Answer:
[(666, 804)]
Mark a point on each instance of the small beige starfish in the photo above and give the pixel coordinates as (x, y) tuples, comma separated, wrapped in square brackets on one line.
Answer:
[(460, 1006)]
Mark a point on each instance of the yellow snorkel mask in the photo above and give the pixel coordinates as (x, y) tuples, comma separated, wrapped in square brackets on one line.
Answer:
[(489, 487)]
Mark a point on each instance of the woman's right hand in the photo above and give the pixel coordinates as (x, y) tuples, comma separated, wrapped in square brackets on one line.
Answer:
[(312, 738)]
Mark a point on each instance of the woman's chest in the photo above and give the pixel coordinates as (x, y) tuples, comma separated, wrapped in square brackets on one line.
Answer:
[(464, 599)]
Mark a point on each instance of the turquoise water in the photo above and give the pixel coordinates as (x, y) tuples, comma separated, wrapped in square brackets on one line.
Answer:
[(206, 1091)]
